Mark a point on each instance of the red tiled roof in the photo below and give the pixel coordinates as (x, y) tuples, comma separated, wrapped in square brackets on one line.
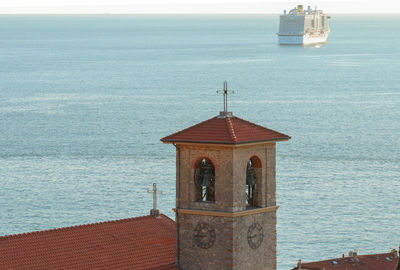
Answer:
[(136, 243), (225, 130), (384, 261), (167, 267), (398, 262)]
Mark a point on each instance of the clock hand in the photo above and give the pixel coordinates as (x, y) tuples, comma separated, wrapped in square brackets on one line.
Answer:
[(253, 236)]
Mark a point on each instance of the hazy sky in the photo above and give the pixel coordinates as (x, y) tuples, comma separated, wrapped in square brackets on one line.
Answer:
[(193, 6)]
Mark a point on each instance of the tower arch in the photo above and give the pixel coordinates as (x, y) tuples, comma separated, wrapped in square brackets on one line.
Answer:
[(253, 181), (204, 180)]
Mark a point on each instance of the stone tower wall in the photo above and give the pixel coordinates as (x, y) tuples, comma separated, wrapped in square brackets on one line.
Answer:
[(230, 173), (222, 159), (228, 215), (231, 249), (263, 257)]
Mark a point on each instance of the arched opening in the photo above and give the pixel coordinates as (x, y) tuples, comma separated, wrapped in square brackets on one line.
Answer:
[(253, 177), (204, 180)]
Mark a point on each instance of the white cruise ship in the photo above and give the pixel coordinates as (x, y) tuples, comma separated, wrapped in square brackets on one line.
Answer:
[(301, 26)]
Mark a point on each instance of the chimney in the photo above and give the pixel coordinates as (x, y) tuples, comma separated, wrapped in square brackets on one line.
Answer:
[(394, 253), (299, 265), (353, 255)]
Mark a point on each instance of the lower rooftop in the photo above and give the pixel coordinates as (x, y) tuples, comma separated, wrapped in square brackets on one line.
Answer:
[(140, 243), (382, 261)]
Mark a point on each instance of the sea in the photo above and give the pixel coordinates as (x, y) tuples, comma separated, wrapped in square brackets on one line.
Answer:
[(85, 99)]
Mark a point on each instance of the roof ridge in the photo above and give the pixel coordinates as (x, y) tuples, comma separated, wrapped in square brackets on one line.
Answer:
[(188, 128), (18, 235), (251, 123), (231, 129)]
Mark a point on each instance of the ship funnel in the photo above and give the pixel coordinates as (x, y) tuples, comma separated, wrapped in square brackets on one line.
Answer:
[(300, 8)]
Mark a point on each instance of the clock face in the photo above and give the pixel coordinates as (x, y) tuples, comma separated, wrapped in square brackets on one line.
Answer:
[(204, 235), (255, 235)]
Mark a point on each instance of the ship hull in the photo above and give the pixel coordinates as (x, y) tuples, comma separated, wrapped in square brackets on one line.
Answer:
[(302, 39)]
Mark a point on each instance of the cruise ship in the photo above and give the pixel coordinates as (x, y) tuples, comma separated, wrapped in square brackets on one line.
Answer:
[(301, 26)]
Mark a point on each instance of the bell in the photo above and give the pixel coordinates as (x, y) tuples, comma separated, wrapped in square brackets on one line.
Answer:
[(250, 176), (204, 175), (206, 179)]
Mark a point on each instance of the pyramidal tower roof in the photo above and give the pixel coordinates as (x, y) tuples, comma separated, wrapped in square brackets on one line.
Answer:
[(225, 129)]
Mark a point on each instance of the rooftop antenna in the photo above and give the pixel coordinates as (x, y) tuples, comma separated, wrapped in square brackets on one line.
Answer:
[(154, 212), (225, 95)]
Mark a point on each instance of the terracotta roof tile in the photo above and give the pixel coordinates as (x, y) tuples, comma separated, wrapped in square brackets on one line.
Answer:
[(167, 267), (135, 243), (384, 261), (225, 130)]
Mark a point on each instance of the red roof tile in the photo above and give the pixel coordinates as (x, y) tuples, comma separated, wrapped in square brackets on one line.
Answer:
[(384, 261), (225, 130), (167, 267), (136, 243)]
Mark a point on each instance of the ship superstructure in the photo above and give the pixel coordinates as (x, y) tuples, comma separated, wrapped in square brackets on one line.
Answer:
[(301, 26)]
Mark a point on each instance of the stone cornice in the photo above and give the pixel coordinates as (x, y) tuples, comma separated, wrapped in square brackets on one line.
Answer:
[(222, 145), (226, 214)]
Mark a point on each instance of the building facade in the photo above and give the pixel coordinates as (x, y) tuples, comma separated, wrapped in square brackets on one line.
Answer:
[(226, 194)]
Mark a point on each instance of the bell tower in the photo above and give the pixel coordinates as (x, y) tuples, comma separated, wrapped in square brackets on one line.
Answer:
[(225, 194)]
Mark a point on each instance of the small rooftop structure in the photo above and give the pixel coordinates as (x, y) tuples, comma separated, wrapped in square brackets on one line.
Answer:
[(383, 261), (146, 242)]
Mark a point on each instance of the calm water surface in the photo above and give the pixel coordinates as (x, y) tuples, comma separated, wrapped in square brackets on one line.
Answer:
[(84, 101)]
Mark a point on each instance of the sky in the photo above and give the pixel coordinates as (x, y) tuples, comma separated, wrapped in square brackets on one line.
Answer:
[(191, 6)]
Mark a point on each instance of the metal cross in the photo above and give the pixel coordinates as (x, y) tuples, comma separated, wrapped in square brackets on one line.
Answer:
[(154, 191), (225, 94)]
